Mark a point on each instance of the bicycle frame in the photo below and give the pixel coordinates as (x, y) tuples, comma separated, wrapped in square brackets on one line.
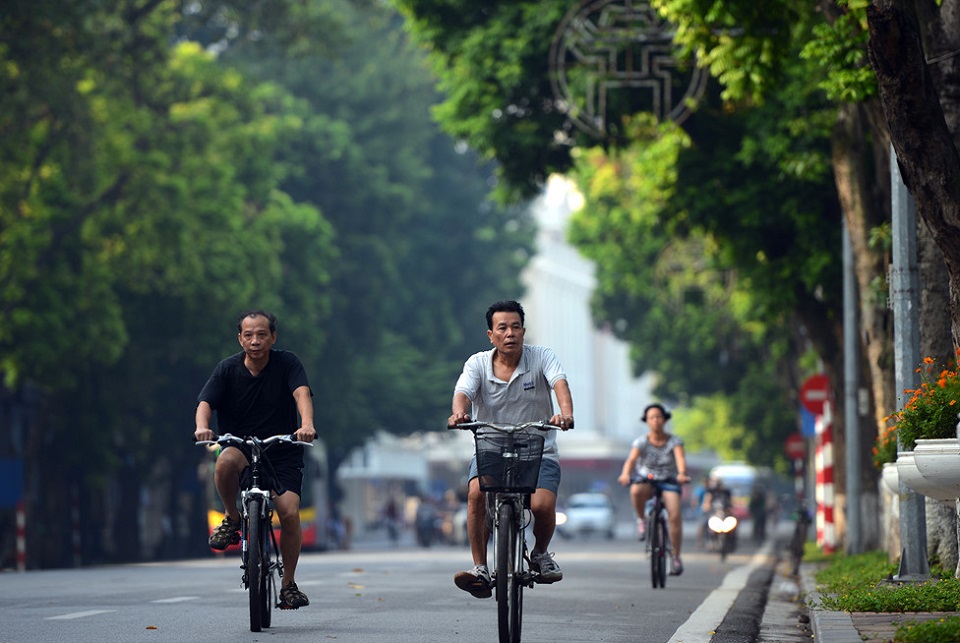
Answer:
[(799, 538), (507, 504), (657, 530), (260, 560), (658, 539)]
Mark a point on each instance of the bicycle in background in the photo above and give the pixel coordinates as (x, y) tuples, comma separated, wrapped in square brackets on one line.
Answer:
[(799, 538), (658, 535), (259, 554), (508, 466)]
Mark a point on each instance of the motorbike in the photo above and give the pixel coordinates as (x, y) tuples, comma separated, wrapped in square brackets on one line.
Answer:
[(721, 530)]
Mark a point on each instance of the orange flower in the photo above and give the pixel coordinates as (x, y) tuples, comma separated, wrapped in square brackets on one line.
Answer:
[(929, 412)]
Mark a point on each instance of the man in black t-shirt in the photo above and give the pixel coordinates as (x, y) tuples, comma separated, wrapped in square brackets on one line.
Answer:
[(260, 392)]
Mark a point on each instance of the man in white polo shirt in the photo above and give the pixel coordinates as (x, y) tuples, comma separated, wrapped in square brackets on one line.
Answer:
[(511, 383)]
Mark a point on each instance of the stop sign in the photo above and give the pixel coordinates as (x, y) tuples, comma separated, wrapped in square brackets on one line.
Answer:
[(794, 447), (813, 393)]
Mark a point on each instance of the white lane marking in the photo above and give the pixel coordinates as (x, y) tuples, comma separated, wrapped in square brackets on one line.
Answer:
[(67, 617), (704, 621), (176, 599)]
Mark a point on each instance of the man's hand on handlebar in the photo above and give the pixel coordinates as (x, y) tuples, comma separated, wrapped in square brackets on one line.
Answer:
[(457, 418), (201, 435), (565, 422), (305, 434)]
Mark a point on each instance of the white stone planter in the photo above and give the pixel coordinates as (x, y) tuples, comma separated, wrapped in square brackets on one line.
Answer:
[(890, 477), (938, 460), (911, 477)]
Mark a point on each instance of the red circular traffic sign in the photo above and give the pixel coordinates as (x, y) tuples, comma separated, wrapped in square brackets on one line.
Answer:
[(814, 392), (794, 447)]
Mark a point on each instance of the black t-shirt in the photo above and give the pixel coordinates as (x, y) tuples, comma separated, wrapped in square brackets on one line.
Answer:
[(260, 406)]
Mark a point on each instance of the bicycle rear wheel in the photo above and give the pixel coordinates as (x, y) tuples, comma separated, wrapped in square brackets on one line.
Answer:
[(658, 551), (506, 578), (255, 574)]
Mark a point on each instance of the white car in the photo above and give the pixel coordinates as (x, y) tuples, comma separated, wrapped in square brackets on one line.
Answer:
[(587, 514)]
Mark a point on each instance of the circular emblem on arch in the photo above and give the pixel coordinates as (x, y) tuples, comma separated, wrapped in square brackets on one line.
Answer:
[(617, 56)]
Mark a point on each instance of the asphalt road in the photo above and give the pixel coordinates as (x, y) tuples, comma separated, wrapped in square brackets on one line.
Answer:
[(380, 594)]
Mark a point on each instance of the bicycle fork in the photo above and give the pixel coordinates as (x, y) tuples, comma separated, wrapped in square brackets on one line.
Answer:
[(521, 555), (265, 506)]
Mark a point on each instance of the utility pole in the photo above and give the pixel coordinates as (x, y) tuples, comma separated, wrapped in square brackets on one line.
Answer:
[(851, 386), (905, 295)]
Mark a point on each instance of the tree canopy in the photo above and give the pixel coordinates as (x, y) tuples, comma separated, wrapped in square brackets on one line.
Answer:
[(716, 242), (167, 166)]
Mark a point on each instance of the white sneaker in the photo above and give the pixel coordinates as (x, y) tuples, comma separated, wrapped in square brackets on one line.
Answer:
[(676, 566), (476, 581), (641, 529), (549, 570)]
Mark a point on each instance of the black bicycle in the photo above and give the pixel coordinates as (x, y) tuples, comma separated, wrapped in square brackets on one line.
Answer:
[(799, 538), (259, 558), (658, 533), (508, 466)]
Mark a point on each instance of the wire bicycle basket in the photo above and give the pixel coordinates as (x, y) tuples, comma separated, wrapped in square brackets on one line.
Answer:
[(508, 462)]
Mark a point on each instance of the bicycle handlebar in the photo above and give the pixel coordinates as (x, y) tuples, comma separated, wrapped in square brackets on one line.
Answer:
[(505, 427), (652, 478), (229, 438)]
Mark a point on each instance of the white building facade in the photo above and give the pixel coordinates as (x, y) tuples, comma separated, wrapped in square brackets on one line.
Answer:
[(559, 283)]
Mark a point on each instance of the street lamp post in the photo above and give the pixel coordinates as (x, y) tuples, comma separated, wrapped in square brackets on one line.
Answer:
[(905, 291)]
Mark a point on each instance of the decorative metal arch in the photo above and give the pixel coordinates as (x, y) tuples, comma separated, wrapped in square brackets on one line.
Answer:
[(606, 46)]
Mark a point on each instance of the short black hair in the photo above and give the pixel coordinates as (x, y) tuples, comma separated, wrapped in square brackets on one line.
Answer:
[(656, 405), (271, 319), (505, 306)]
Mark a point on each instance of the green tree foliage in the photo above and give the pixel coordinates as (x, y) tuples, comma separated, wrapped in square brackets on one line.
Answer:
[(702, 288), (149, 191), (492, 60), (716, 245), (415, 232)]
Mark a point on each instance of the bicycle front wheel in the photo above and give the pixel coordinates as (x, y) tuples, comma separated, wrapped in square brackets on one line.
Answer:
[(255, 574), (658, 551), (516, 586), (267, 583), (506, 576), (796, 547)]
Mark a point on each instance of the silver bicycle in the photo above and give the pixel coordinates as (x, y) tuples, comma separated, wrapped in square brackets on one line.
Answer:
[(508, 466), (259, 559)]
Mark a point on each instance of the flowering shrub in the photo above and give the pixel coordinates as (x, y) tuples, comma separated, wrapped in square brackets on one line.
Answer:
[(885, 448), (931, 411)]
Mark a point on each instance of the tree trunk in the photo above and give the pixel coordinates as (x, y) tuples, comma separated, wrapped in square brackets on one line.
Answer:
[(863, 186), (860, 149), (926, 152), (915, 57)]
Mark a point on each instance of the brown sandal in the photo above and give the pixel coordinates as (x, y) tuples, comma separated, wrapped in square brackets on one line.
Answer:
[(226, 534), (292, 598)]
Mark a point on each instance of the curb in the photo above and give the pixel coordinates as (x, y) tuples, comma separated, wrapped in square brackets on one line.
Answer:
[(828, 626)]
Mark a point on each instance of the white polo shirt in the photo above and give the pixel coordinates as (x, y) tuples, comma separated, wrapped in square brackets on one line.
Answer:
[(525, 398)]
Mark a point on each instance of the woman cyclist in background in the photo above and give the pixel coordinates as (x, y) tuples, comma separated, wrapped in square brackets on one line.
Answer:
[(657, 460)]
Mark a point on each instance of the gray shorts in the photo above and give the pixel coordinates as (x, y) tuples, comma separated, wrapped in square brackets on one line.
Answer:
[(549, 474)]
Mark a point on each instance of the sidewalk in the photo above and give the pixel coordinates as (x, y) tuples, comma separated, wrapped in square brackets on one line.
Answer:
[(792, 614)]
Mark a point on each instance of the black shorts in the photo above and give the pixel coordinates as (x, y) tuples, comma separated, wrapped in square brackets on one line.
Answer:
[(281, 468)]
